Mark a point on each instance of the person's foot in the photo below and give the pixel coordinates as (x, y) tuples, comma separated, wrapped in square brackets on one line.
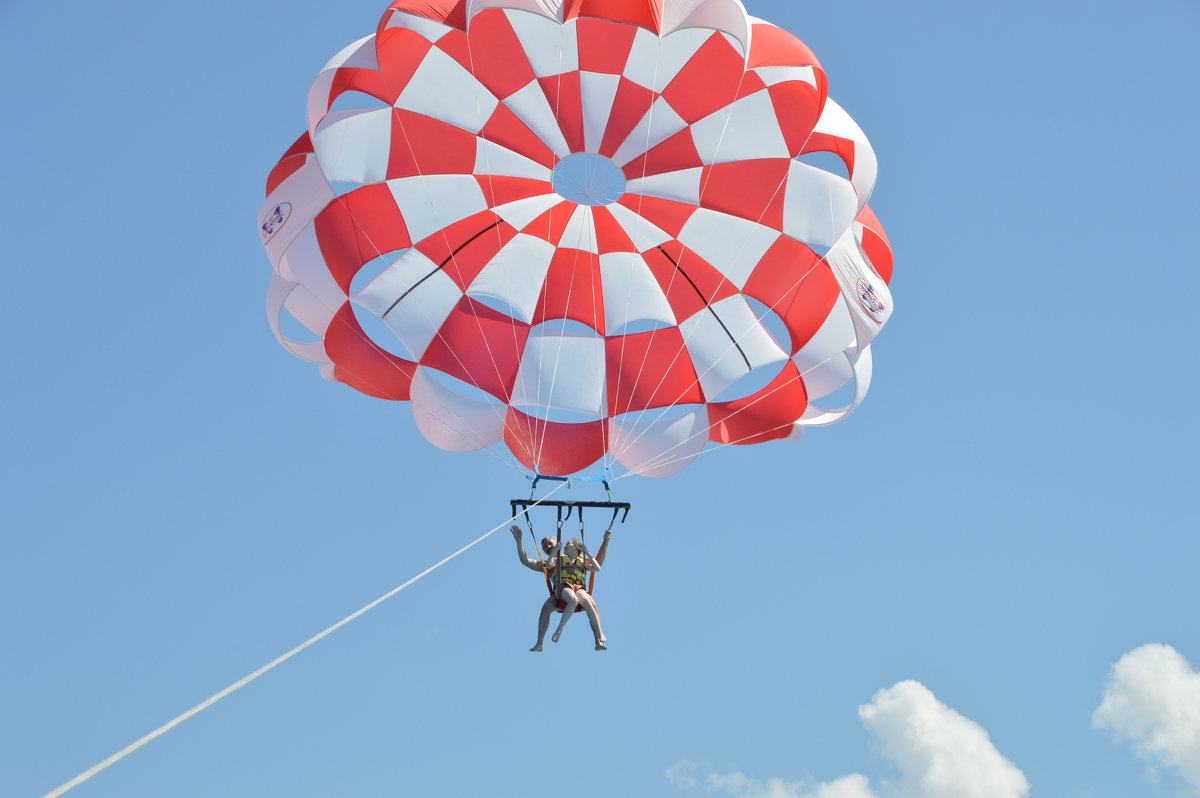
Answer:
[(600, 646), (538, 647), (557, 635)]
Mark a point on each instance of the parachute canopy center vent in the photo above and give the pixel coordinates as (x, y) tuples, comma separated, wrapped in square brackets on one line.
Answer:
[(586, 178)]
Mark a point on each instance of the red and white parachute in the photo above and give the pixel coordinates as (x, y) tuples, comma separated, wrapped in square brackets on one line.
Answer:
[(584, 229)]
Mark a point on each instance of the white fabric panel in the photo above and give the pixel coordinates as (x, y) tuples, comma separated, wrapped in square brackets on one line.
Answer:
[(303, 195), (451, 421), (492, 159), (630, 292), (355, 146), (516, 274), (774, 75), (580, 232), (831, 341), (825, 378), (433, 202), (732, 245), (674, 51), (642, 233), (550, 46), (360, 55), (442, 89), (530, 105), (305, 264), (744, 130), (717, 359), (659, 124), (597, 92), (431, 295), (643, 58), (658, 448), (836, 122), (862, 367), (856, 278), (430, 29), (682, 185), (311, 311), (728, 16), (551, 9), (818, 207), (278, 293), (561, 371), (521, 213)]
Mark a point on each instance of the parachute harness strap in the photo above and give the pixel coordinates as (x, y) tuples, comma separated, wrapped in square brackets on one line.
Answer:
[(203, 705)]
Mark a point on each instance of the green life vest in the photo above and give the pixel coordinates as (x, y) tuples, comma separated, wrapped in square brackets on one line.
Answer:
[(572, 572)]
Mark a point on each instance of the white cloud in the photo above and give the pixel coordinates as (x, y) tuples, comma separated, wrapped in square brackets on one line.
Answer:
[(940, 754), (1153, 701)]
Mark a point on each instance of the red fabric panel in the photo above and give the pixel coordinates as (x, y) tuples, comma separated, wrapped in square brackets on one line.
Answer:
[(797, 107), (506, 129), (550, 225), (293, 159), (762, 416), (793, 281), (646, 13), (605, 46), (630, 105), (751, 83), (842, 148), (422, 145), (400, 52), (668, 215), (499, 59), (649, 370), (572, 290), (367, 81), (677, 152), (708, 82), (773, 46), (692, 285), (563, 94), (554, 448), (358, 227), (466, 246), (362, 364), (447, 12), (875, 243), (748, 189), (479, 346), (501, 189), (610, 236)]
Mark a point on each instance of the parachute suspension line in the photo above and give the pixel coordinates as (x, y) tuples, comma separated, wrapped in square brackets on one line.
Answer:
[(240, 683)]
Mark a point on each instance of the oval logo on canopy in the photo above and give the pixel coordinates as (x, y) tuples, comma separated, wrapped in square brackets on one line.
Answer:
[(276, 219), (870, 301)]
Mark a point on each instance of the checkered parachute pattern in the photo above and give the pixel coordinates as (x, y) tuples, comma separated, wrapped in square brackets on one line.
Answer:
[(430, 244)]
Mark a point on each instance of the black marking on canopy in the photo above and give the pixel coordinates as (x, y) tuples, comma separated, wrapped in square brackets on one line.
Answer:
[(704, 299), (442, 265)]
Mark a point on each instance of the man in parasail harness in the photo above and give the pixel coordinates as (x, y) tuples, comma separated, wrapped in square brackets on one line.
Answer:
[(565, 570)]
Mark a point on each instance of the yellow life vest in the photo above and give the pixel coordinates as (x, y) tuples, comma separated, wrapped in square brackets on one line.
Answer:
[(572, 572)]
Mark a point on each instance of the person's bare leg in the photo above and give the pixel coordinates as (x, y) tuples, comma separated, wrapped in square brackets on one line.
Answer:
[(593, 613), (569, 610), (544, 622)]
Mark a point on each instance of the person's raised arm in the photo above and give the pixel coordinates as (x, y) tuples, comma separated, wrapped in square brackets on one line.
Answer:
[(533, 565), (600, 555)]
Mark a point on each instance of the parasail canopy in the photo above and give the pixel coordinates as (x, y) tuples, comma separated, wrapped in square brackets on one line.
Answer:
[(585, 230)]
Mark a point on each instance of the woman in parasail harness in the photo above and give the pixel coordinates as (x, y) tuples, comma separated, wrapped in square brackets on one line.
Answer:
[(575, 560)]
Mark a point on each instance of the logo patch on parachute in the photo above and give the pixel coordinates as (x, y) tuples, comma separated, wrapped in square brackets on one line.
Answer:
[(871, 303), (275, 220)]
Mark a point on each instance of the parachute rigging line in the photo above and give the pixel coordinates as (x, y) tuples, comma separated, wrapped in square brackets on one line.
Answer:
[(239, 684)]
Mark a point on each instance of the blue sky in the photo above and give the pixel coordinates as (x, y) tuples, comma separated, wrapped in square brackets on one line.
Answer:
[(1006, 517)]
